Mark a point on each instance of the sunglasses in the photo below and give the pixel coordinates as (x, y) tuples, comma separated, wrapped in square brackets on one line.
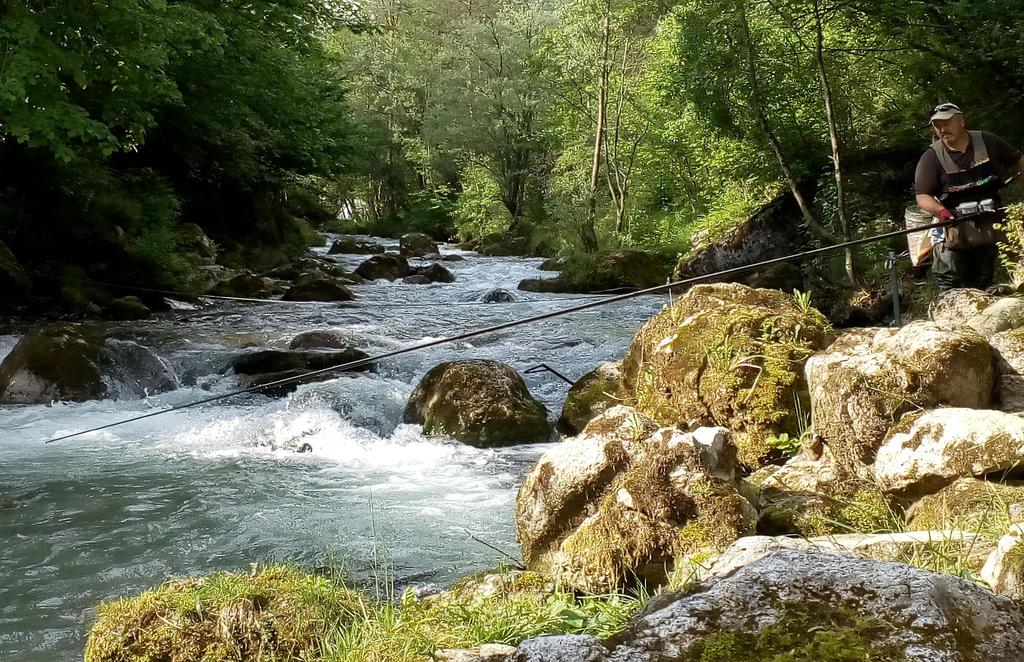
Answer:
[(946, 107)]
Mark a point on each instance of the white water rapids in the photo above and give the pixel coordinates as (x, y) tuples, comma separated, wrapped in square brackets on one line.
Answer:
[(191, 492)]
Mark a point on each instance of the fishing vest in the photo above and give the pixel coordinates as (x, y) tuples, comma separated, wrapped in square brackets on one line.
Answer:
[(976, 183)]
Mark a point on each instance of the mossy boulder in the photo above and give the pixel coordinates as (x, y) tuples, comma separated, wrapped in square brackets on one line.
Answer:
[(863, 383), (244, 285), (625, 269), (55, 362), (273, 613), (347, 244), (15, 285), (986, 314), (480, 403), (127, 308), (387, 266), (74, 363), (810, 498), (1004, 569), (1008, 349), (591, 395), (967, 504), (197, 241), (803, 606), (552, 264), (726, 355), (318, 289), (620, 502), (415, 244), (930, 450)]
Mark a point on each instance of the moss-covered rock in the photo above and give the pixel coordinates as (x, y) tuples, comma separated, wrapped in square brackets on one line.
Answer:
[(196, 241), (984, 313), (552, 264), (387, 266), (620, 502), (810, 498), (318, 289), (605, 270), (55, 362), (481, 403), (245, 285), (347, 244), (864, 382), (591, 395), (933, 449), (802, 606), (270, 614), (726, 355), (127, 308), (968, 504), (417, 245)]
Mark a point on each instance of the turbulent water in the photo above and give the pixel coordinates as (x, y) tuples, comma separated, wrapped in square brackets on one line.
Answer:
[(115, 512)]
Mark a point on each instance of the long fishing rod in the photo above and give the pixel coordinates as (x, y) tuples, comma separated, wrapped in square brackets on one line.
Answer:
[(725, 273)]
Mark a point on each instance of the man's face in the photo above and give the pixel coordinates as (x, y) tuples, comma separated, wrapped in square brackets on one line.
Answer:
[(950, 131)]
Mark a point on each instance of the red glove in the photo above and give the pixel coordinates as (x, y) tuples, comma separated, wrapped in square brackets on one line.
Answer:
[(945, 215)]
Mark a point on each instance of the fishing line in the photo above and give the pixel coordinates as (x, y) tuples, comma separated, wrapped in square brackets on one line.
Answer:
[(725, 273)]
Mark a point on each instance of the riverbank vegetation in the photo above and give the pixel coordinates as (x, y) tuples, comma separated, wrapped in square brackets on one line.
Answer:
[(531, 126)]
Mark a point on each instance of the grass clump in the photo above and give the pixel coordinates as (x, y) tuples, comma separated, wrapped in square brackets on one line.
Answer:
[(270, 614)]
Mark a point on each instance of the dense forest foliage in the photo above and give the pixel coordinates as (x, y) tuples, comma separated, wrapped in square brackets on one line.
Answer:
[(552, 126)]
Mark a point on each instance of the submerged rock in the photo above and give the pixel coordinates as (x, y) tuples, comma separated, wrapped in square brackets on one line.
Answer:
[(480, 403), (499, 296), (930, 450), (387, 266), (808, 605), (726, 355), (270, 366), (621, 501), (591, 395), (864, 382), (415, 244), (322, 339), (416, 279)]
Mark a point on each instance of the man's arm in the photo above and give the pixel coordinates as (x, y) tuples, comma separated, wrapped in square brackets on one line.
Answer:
[(929, 204)]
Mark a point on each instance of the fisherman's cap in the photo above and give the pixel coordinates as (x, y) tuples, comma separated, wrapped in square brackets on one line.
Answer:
[(944, 111)]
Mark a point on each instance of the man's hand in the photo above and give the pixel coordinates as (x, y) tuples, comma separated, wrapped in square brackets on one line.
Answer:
[(945, 215), (932, 206)]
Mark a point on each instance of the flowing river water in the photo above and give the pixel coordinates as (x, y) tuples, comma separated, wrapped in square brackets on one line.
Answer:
[(116, 512)]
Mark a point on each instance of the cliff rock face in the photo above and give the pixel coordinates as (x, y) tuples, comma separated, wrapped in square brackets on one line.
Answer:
[(481, 403)]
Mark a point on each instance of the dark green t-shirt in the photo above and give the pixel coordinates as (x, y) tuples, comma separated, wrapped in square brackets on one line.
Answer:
[(930, 177)]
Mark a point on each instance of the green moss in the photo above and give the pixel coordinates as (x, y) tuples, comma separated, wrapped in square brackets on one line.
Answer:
[(276, 613), (848, 506), (970, 505), (805, 633), (727, 355)]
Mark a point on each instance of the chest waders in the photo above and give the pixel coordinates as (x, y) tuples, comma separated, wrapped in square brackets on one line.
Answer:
[(966, 256)]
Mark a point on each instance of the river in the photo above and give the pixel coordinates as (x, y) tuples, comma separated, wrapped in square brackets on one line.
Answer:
[(191, 492)]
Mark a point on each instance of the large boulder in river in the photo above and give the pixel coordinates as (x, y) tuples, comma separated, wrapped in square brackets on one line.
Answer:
[(985, 313), (802, 605), (347, 244), (74, 363), (321, 339), (415, 244), (726, 355), (265, 367), (621, 501), (865, 381), (434, 273), (591, 395), (387, 266), (244, 285), (480, 403), (930, 450), (318, 289)]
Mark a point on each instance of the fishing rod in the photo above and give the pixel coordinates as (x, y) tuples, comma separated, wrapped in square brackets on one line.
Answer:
[(696, 280)]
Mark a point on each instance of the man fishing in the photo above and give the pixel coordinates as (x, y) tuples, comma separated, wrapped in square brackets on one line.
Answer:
[(963, 167)]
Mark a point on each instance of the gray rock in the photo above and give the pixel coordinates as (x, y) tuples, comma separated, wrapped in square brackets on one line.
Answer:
[(387, 266), (1008, 348), (1004, 569), (986, 314), (499, 296)]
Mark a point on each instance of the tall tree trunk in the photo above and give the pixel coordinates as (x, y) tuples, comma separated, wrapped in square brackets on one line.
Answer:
[(587, 232), (757, 106), (833, 134)]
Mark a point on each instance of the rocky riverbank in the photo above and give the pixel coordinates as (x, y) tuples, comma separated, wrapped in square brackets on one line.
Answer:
[(738, 419)]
